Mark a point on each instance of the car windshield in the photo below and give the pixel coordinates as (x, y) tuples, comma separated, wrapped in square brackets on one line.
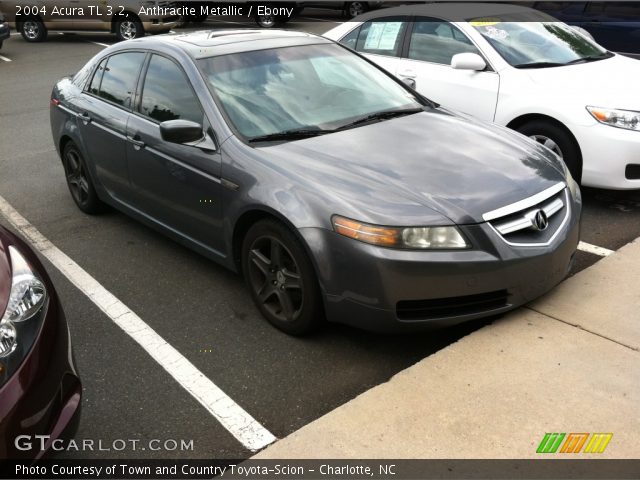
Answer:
[(303, 89), (538, 44)]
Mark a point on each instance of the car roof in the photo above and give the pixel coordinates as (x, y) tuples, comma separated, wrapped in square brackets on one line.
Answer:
[(210, 43), (454, 12)]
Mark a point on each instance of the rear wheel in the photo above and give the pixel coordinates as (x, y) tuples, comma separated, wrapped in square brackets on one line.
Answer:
[(281, 278), (33, 30), (78, 180), (129, 28), (353, 9), (558, 141)]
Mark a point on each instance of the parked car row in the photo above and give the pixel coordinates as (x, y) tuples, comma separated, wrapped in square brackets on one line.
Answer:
[(519, 68)]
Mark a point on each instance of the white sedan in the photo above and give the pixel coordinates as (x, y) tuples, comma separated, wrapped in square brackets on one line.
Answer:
[(520, 68)]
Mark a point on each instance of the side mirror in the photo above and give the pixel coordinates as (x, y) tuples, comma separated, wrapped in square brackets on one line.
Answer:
[(411, 82), (468, 61), (181, 131)]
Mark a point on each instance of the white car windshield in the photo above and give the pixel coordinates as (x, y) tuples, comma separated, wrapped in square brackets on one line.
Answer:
[(538, 44), (302, 89)]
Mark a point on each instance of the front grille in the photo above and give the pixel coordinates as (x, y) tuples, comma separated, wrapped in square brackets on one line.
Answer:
[(533, 223), (451, 306)]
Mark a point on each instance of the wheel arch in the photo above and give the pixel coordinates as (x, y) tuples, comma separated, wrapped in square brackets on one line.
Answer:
[(250, 217), (530, 117), (120, 16)]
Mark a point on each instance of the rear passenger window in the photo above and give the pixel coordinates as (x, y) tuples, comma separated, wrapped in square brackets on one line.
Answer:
[(167, 93), (437, 42), (94, 88), (382, 37), (119, 78)]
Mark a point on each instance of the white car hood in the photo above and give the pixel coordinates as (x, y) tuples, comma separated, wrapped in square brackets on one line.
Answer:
[(609, 83)]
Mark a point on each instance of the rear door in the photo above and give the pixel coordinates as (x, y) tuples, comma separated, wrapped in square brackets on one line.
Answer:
[(380, 40), (103, 115), (431, 45), (177, 185)]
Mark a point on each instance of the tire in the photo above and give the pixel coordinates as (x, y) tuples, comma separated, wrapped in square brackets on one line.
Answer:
[(353, 9), (199, 18), (33, 30), (79, 181), (557, 140), (129, 28), (281, 278), (267, 21)]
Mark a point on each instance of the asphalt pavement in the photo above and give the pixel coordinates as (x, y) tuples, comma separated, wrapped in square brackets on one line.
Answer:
[(198, 307)]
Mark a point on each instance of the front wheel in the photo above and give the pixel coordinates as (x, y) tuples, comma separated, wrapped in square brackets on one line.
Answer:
[(281, 278), (353, 9), (558, 141), (33, 30), (129, 28)]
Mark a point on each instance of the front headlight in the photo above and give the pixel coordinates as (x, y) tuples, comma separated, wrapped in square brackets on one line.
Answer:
[(422, 238), (19, 324), (627, 119)]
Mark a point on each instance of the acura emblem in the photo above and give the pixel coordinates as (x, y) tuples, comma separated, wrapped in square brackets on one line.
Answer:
[(540, 221)]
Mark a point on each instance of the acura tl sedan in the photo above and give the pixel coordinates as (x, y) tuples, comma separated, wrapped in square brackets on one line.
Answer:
[(519, 68), (338, 191), (40, 391)]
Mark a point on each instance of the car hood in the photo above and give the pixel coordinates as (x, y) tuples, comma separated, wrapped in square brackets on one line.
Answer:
[(458, 167), (609, 83)]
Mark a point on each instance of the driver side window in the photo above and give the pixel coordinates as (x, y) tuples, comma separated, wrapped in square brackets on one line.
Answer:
[(436, 41)]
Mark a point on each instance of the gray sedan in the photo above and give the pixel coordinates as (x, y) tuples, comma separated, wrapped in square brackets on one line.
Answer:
[(336, 190)]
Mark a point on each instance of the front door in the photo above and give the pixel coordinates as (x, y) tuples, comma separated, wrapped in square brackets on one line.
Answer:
[(432, 44), (176, 185)]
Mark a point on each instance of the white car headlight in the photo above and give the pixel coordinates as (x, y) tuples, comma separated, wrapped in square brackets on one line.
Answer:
[(423, 238), (627, 119)]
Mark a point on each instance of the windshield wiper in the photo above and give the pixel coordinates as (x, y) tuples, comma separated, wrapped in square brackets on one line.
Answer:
[(380, 116), (289, 135), (590, 58), (539, 65)]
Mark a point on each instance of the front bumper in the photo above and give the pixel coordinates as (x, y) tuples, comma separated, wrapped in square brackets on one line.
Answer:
[(383, 289), (44, 396), (606, 154), (5, 33)]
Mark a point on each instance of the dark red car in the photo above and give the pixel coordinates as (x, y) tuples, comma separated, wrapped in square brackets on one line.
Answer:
[(40, 391)]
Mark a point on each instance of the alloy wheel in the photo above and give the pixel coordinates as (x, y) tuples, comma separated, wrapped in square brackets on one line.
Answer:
[(549, 143), (31, 29), (128, 30), (76, 177), (267, 21), (275, 278), (356, 8)]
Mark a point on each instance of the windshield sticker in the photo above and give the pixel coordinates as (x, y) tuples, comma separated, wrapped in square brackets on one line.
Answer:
[(484, 22), (383, 36), (496, 33)]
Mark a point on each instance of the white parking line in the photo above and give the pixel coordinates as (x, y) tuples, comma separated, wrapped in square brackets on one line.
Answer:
[(587, 247), (5, 59), (232, 417), (100, 44)]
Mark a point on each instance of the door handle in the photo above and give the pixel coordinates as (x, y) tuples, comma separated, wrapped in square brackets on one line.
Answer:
[(137, 143), (85, 118)]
